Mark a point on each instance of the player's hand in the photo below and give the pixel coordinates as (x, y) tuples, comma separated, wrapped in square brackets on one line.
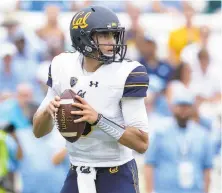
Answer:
[(53, 106), (88, 113)]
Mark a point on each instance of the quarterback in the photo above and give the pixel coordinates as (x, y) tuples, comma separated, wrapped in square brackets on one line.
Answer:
[(111, 90)]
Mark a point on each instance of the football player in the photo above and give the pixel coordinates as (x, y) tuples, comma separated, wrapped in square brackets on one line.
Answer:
[(111, 90)]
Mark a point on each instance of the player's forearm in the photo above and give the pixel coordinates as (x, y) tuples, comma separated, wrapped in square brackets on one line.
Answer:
[(135, 139), (42, 123), (129, 136)]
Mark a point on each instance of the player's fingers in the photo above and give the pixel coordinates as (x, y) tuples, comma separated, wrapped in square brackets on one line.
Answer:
[(79, 105), (57, 98), (80, 120), (77, 112), (82, 100), (52, 115), (53, 108), (56, 110), (56, 104)]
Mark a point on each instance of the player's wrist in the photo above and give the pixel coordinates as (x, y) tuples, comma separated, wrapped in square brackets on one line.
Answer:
[(113, 129), (97, 120)]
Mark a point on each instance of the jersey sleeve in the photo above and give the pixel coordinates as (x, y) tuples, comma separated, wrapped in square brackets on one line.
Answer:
[(137, 83), (49, 96), (139, 119)]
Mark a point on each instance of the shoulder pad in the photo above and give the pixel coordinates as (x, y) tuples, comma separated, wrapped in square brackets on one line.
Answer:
[(59, 64), (52, 68)]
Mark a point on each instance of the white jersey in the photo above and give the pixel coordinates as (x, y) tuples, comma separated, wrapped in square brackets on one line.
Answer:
[(104, 90)]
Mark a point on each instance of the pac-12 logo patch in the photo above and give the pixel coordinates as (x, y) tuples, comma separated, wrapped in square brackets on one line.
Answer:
[(73, 81)]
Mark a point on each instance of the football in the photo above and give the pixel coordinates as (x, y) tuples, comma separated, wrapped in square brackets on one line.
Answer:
[(64, 120)]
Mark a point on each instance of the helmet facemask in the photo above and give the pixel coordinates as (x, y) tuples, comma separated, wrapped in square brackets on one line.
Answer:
[(118, 48)]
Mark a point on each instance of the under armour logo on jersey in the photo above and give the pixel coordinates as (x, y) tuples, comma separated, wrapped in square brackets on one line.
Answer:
[(73, 81), (93, 84), (85, 170)]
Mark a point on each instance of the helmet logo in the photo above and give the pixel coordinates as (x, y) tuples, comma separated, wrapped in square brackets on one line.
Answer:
[(81, 21)]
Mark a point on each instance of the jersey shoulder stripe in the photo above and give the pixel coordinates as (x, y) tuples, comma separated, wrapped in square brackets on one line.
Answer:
[(49, 81), (136, 83)]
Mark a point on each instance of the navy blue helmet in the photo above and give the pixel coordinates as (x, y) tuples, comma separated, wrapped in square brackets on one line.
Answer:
[(97, 19)]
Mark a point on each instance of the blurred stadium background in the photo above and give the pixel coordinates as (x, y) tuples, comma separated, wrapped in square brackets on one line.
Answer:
[(179, 42)]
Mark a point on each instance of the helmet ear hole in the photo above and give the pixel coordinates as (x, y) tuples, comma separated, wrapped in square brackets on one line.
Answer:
[(93, 9)]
